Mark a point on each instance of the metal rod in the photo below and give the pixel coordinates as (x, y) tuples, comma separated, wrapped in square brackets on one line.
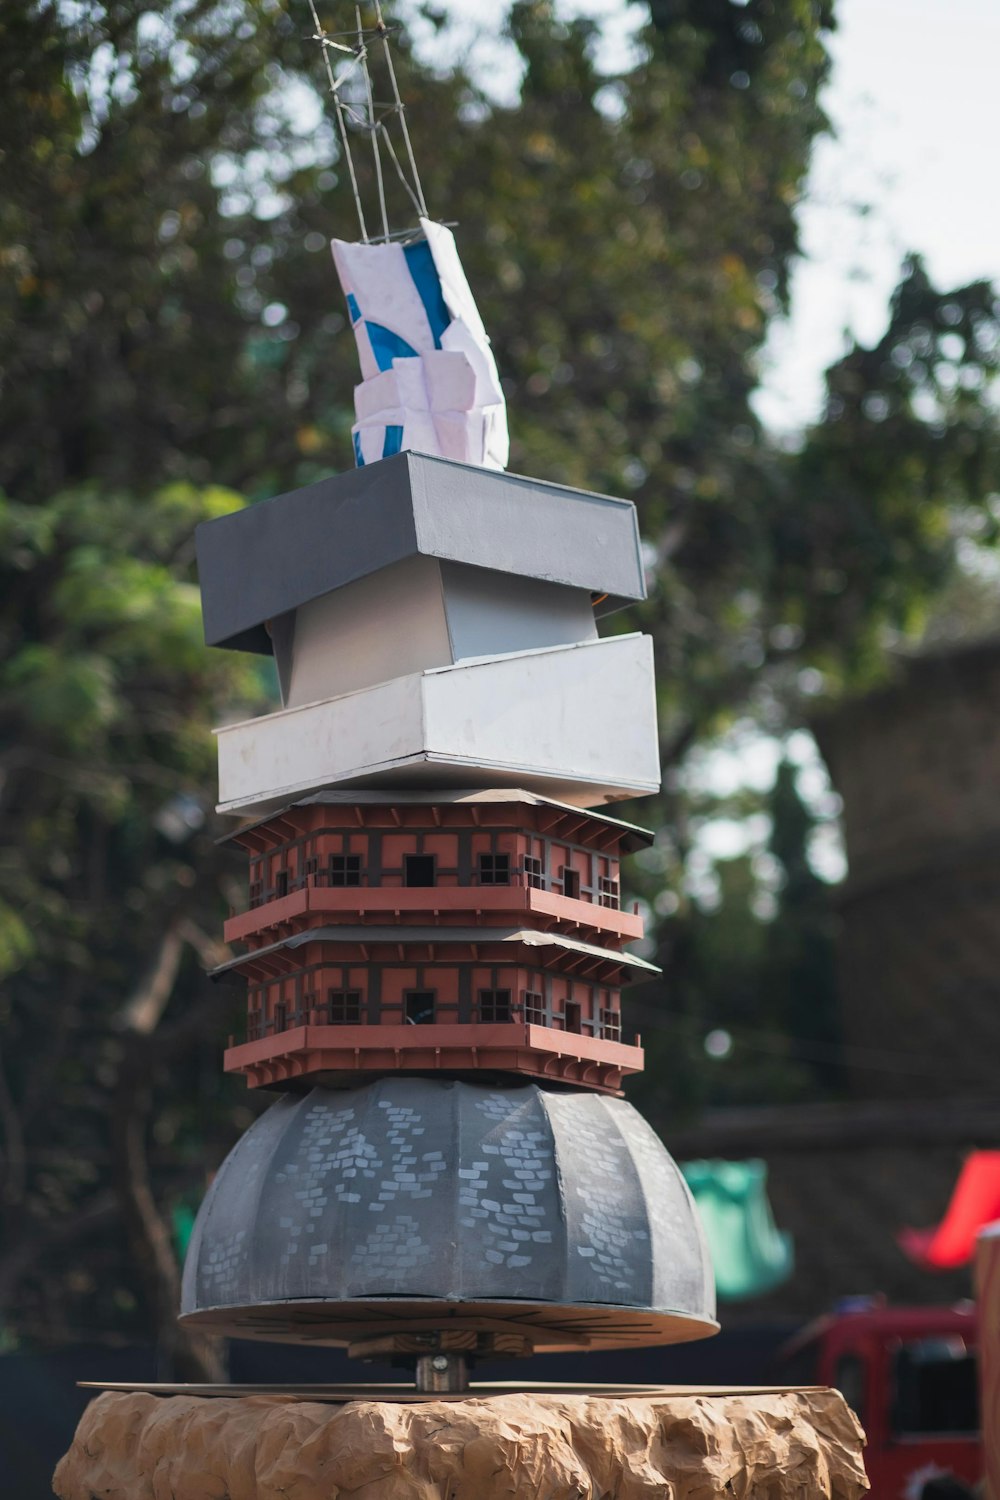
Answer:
[(371, 125), (320, 36), (400, 107)]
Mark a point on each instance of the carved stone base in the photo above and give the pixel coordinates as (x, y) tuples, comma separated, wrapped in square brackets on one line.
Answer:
[(795, 1444)]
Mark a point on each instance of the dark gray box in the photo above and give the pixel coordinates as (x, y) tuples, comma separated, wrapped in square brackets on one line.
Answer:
[(262, 562)]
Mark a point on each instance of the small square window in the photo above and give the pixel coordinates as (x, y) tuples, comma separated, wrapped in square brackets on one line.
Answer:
[(570, 882), (611, 1025), (494, 1005), (345, 869), (494, 869), (418, 869), (534, 874), (418, 1007), (534, 1008), (609, 892), (343, 1007)]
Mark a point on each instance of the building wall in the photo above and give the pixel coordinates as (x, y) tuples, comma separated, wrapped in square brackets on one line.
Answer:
[(918, 768)]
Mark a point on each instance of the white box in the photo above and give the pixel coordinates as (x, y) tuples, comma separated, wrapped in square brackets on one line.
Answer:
[(574, 722)]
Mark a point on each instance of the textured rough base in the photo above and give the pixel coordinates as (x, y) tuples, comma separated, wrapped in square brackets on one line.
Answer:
[(141, 1447)]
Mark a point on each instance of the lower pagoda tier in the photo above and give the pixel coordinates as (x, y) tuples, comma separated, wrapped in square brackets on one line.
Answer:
[(554, 1218), (328, 1004)]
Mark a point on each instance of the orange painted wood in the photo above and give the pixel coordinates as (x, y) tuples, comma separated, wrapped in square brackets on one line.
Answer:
[(538, 1051), (427, 901)]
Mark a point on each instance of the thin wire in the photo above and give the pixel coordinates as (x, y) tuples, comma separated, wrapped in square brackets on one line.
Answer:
[(417, 203), (372, 126), (401, 111), (320, 36)]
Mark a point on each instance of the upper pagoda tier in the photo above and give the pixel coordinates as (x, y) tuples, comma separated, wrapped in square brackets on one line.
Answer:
[(493, 857), (433, 624)]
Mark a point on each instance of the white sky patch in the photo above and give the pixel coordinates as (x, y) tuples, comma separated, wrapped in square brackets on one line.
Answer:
[(747, 758), (472, 35), (913, 102)]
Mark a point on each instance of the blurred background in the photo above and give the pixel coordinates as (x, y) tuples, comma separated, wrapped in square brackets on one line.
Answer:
[(736, 260)]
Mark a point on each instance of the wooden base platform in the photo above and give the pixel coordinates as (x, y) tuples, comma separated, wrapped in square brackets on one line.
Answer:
[(648, 1443)]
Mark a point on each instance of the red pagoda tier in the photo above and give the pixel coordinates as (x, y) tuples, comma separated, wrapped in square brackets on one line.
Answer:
[(465, 932)]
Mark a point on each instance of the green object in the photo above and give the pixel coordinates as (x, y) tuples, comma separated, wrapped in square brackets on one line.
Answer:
[(750, 1255), (182, 1217)]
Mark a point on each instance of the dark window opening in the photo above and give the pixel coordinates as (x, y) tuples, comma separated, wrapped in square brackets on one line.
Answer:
[(281, 883), (534, 1008), (280, 1016), (494, 869), (609, 892), (418, 869), (494, 1005), (418, 1007), (343, 1007), (935, 1381), (345, 869), (255, 1025), (571, 882), (256, 893), (611, 1025), (312, 869), (533, 872), (574, 1018), (849, 1380)]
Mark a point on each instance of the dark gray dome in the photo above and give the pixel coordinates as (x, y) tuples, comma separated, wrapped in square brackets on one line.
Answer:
[(339, 1213)]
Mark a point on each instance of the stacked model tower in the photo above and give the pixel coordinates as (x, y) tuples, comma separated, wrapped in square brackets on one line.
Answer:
[(435, 944)]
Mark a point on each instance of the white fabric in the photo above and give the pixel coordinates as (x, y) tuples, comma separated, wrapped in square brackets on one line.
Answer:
[(455, 288), (448, 401), (380, 281)]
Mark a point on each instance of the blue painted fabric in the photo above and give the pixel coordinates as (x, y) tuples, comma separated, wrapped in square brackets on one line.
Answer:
[(420, 263), (393, 441), (387, 346)]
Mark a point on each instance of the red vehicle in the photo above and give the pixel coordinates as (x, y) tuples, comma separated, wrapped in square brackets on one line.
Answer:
[(910, 1374)]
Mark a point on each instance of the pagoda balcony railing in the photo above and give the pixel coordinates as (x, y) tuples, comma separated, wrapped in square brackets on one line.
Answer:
[(259, 1027), (260, 896)]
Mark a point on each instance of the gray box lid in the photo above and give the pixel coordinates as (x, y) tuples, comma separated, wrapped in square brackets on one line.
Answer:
[(266, 560)]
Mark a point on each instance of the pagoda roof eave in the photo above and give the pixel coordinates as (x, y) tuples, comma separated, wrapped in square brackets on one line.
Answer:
[(527, 937), (632, 836)]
